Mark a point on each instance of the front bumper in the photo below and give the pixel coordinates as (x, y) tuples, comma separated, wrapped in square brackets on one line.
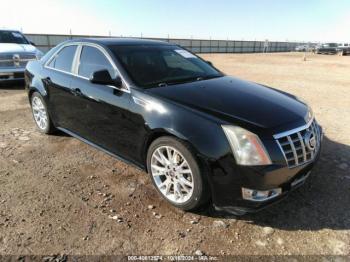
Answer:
[(241, 206), (11, 74), (228, 179)]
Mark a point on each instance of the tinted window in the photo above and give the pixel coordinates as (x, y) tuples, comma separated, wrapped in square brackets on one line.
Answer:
[(64, 59), (175, 61), (152, 65), (92, 60), (12, 37), (49, 53)]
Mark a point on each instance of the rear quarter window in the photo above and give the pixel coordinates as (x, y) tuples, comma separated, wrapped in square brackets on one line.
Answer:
[(63, 60)]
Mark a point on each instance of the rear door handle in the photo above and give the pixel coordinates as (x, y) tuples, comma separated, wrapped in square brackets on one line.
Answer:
[(47, 80), (77, 92)]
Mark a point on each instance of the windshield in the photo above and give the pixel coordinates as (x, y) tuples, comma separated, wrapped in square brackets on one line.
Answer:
[(151, 66), (12, 37)]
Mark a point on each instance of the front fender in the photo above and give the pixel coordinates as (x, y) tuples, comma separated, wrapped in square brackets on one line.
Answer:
[(204, 134)]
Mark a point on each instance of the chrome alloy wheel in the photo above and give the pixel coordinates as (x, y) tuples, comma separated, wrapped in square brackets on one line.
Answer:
[(39, 113), (172, 174)]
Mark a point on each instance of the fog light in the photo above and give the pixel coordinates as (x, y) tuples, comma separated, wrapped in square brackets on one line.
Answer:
[(257, 195)]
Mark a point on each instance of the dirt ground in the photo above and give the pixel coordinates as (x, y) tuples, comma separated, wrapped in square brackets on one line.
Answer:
[(60, 196)]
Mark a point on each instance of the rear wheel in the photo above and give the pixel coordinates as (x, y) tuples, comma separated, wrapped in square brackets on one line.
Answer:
[(40, 114), (176, 174)]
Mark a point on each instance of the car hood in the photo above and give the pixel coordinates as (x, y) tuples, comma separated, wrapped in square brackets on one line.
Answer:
[(13, 48), (234, 100)]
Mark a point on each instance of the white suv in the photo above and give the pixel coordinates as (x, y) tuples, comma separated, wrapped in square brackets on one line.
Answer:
[(15, 52)]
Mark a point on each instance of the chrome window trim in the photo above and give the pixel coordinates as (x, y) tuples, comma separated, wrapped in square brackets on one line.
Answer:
[(76, 62), (295, 130), (55, 55)]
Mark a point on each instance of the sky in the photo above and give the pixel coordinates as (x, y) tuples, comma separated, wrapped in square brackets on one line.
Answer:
[(275, 20)]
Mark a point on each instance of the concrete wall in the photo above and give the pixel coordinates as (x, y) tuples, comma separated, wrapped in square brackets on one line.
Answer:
[(45, 42)]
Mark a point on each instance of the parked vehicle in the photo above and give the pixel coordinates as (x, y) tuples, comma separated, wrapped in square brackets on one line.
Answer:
[(329, 48), (201, 135), (343, 49), (15, 52), (301, 48), (305, 48)]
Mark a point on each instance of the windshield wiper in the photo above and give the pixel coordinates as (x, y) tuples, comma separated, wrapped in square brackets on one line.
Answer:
[(185, 80), (178, 81), (207, 77)]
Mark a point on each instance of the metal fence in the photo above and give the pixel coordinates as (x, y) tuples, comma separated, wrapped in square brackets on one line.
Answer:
[(46, 41)]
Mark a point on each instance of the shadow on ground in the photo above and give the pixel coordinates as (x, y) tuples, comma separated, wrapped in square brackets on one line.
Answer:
[(13, 85), (323, 202)]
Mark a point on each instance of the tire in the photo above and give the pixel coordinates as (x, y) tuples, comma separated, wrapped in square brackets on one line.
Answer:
[(181, 152), (40, 114)]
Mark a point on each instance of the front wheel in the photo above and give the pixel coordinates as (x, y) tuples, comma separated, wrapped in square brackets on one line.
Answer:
[(176, 173), (40, 114)]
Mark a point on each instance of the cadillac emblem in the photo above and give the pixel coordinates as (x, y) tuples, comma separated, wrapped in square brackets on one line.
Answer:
[(310, 140)]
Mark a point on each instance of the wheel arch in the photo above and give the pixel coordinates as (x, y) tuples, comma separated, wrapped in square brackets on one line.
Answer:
[(157, 133), (37, 87)]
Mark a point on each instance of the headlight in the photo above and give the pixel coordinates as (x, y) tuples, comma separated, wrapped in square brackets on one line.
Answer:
[(246, 147), (309, 115)]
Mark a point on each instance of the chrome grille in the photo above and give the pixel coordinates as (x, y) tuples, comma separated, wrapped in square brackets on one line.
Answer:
[(7, 61), (6, 64), (300, 145)]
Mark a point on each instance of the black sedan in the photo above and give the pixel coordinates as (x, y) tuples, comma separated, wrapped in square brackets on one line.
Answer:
[(202, 136)]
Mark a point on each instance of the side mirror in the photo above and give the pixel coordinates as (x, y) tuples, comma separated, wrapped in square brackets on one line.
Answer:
[(103, 77), (210, 63), (32, 43)]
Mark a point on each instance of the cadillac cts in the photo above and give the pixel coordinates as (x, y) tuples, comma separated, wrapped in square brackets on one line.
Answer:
[(203, 137)]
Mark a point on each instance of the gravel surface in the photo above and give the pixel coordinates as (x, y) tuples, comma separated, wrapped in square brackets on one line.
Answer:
[(60, 196)]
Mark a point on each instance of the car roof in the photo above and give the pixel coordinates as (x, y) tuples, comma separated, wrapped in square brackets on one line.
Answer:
[(121, 41), (10, 30)]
